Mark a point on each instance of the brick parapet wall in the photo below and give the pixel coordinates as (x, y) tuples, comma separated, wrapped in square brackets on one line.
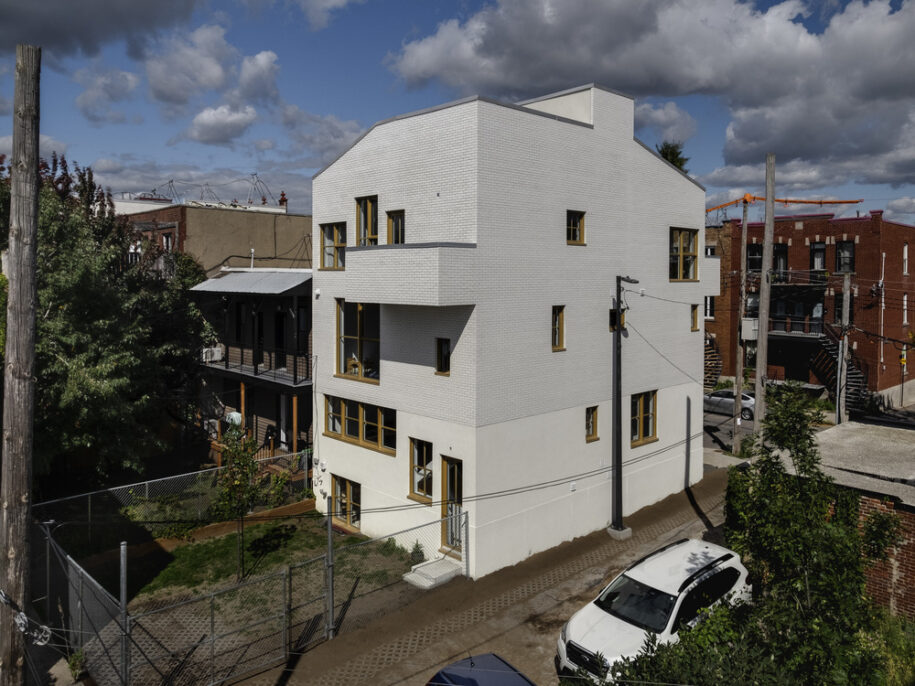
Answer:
[(891, 583)]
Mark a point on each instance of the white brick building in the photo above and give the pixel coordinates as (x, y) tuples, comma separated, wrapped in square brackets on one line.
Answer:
[(492, 234)]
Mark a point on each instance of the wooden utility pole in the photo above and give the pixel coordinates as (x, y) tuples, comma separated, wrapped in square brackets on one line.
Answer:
[(19, 376), (762, 344), (741, 304)]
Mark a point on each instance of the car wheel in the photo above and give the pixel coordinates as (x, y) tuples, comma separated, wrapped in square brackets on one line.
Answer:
[(746, 413)]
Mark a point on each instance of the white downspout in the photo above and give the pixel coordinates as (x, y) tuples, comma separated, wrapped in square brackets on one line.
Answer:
[(882, 307)]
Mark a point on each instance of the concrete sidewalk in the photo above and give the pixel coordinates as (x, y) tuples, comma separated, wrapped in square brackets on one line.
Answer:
[(516, 612)]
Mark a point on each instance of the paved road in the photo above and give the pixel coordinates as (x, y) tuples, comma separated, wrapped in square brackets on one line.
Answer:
[(516, 612), (717, 430)]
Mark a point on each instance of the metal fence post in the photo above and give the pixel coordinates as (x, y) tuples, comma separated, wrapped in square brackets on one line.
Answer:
[(466, 550), (287, 613), (47, 575), (89, 519), (125, 660), (329, 562), (212, 637)]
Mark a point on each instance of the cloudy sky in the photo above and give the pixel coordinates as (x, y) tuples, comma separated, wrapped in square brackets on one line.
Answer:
[(205, 94)]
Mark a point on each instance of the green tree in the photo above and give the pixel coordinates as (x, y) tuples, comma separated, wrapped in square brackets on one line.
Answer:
[(117, 342), (799, 536), (672, 151)]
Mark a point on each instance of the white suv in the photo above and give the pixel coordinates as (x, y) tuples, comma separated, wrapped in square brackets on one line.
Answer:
[(661, 593)]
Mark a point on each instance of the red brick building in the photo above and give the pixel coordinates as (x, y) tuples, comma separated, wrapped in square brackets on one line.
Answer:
[(811, 256)]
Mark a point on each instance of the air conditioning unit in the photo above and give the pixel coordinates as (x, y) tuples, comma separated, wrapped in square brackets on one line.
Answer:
[(212, 354)]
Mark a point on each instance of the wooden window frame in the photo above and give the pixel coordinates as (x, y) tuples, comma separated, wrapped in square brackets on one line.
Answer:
[(638, 413), (851, 265), (575, 227), (340, 484), (423, 449), (754, 248), (694, 317), (591, 428), (557, 328), (336, 408), (367, 231), (336, 241), (680, 255), (394, 230), (817, 254), (354, 368), (443, 356)]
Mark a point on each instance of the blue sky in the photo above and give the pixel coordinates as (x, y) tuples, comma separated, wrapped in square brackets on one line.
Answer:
[(207, 93)]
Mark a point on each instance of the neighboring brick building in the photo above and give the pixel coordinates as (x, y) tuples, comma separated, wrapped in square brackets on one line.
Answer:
[(465, 352), (225, 235), (812, 253)]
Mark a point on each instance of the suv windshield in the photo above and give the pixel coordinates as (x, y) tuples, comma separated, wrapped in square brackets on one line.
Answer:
[(636, 603)]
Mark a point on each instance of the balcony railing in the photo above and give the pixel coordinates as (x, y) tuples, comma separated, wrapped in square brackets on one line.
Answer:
[(277, 364), (807, 326)]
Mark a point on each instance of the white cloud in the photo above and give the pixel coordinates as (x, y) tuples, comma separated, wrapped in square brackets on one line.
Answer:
[(837, 103), (65, 27), (221, 125), (324, 138), (46, 146), (318, 11), (671, 123), (187, 65), (103, 88), (257, 79)]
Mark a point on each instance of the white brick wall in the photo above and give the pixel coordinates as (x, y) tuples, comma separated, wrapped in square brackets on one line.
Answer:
[(502, 179)]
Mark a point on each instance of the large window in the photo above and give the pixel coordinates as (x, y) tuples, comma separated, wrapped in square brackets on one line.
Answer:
[(754, 257), (421, 469), (845, 256), (683, 254), (838, 308), (367, 220), (358, 339), (905, 308), (557, 328), (333, 242), (347, 499), (575, 227), (905, 258), (368, 425), (780, 260), (396, 227), (591, 424), (644, 418)]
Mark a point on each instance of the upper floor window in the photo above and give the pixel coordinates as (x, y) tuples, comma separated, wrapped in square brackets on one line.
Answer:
[(710, 250), (443, 356), (367, 220), (643, 418), (845, 256), (693, 317), (358, 339), (817, 257), (396, 227), (558, 326), (347, 501), (333, 245), (683, 254), (905, 308), (591, 424), (838, 308), (710, 307), (421, 469), (367, 425), (905, 258), (575, 227), (754, 257), (780, 259), (167, 242)]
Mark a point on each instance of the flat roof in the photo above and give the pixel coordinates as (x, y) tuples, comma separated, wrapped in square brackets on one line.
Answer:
[(256, 281), (870, 457)]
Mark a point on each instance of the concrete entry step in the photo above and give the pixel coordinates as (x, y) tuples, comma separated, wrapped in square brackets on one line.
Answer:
[(434, 573)]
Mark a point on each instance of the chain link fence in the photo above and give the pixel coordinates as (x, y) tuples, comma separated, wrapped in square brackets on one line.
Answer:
[(241, 628), (160, 508)]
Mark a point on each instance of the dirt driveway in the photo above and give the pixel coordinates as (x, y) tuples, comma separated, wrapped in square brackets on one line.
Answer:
[(516, 612)]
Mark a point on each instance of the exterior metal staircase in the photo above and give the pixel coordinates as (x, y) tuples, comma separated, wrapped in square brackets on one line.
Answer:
[(712, 365), (825, 365)]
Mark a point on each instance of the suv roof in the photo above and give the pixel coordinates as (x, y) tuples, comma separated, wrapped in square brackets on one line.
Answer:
[(673, 567)]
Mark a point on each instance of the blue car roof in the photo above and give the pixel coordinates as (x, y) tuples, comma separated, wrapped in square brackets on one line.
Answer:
[(480, 670)]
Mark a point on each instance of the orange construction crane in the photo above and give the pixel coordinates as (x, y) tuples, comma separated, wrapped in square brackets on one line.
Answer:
[(747, 198)]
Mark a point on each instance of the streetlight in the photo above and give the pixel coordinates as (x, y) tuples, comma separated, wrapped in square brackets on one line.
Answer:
[(617, 530)]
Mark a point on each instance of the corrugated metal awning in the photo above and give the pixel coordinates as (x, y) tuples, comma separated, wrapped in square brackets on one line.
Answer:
[(257, 281)]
